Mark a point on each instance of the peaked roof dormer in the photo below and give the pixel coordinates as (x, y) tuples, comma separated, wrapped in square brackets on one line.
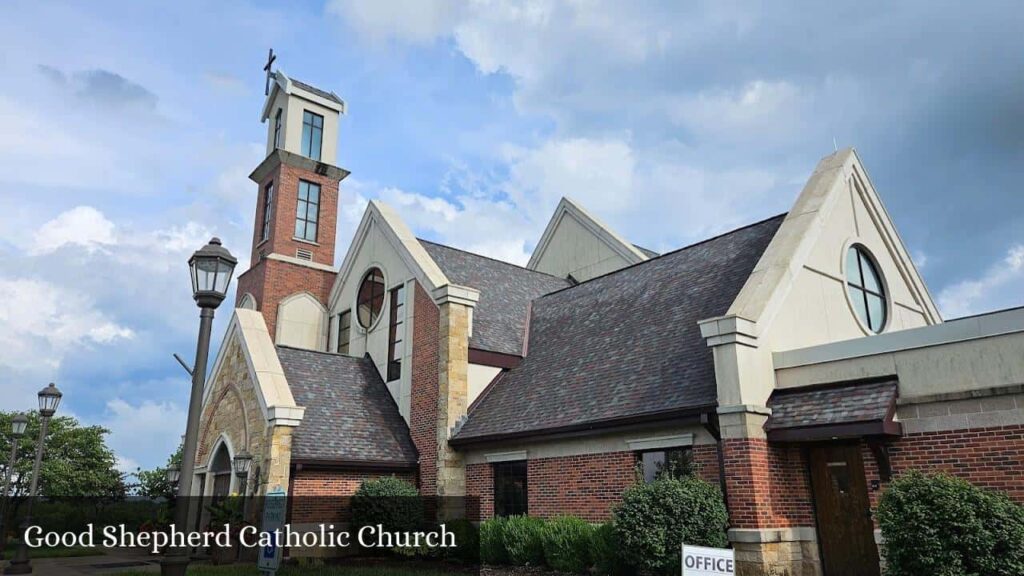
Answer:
[(578, 245), (303, 119)]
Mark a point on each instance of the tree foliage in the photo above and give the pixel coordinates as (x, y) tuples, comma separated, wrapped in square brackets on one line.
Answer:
[(76, 460), (153, 483)]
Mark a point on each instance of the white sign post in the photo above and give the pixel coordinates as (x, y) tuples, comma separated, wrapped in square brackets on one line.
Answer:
[(274, 510), (701, 561)]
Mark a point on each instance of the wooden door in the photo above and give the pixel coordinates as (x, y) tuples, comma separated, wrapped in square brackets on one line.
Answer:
[(845, 529)]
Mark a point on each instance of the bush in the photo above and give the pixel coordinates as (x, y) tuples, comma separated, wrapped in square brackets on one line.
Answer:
[(941, 525), (388, 501), (492, 541), (606, 553), (654, 520), (467, 542), (568, 544), (523, 540)]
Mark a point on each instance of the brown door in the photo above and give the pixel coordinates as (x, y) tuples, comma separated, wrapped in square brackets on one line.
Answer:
[(845, 529)]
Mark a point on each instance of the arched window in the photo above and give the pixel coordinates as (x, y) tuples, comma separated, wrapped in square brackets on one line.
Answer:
[(371, 298), (865, 287)]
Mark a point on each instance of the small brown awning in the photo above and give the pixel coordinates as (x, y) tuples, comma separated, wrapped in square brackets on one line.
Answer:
[(834, 411)]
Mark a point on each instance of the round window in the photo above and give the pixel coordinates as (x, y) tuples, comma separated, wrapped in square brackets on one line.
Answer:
[(864, 285), (371, 297)]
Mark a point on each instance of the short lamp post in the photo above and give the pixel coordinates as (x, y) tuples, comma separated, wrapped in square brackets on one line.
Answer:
[(18, 425), (49, 400), (211, 268), (172, 474)]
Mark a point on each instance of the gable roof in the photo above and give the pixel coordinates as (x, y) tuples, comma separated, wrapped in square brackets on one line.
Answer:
[(622, 346), (350, 415), (630, 252), (506, 290)]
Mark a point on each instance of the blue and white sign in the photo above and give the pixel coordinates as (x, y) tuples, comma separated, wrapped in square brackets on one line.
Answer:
[(275, 508), (701, 561)]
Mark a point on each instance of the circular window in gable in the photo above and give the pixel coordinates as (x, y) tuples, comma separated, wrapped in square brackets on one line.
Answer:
[(370, 300), (866, 288)]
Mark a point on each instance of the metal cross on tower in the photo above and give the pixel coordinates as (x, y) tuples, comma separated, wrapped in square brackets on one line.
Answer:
[(270, 62)]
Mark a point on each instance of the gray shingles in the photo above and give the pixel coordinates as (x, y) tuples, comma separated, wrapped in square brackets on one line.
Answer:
[(350, 415), (499, 319), (855, 402), (625, 344), (321, 93)]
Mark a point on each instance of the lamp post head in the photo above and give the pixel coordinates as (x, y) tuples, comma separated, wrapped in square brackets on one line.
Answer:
[(173, 474), (49, 399), (18, 425), (211, 267), (242, 463)]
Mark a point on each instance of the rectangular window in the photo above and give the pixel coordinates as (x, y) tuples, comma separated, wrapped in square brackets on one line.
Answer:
[(312, 134), (307, 211), (278, 123), (268, 209), (674, 462), (344, 324), (510, 493), (396, 333)]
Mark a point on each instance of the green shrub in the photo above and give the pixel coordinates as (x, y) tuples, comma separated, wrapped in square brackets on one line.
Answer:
[(606, 552), (492, 541), (467, 542), (524, 542), (654, 520), (944, 526), (568, 544), (393, 503)]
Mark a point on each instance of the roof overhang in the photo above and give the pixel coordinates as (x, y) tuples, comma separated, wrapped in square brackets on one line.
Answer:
[(283, 83), (835, 411), (280, 156)]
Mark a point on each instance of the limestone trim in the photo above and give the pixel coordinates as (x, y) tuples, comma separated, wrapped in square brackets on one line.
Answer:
[(960, 330), (569, 207), (505, 456), (660, 442), (274, 395), (729, 329), (758, 535), (775, 273), (298, 262)]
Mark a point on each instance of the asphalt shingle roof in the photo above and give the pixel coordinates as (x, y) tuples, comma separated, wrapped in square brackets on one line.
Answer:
[(622, 345), (321, 93), (506, 290), (855, 402), (350, 415)]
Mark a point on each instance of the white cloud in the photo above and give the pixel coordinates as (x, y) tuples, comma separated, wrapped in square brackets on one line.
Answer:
[(148, 428), (415, 22), (1000, 286), (40, 322), (84, 226)]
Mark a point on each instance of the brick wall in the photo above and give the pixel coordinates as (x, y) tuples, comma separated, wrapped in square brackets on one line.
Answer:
[(282, 227), (319, 495), (270, 281), (423, 393), (587, 485), (768, 485)]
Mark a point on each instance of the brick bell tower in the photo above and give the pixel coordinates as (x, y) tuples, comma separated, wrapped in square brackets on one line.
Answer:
[(292, 266)]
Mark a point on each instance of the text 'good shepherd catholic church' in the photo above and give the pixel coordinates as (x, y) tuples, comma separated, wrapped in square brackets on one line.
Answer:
[(799, 362)]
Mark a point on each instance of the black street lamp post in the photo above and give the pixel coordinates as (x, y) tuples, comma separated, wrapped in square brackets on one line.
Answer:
[(18, 425), (49, 399), (211, 268)]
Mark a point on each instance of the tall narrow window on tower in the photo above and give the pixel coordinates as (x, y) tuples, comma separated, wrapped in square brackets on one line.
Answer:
[(396, 333), (344, 331), (277, 128), (307, 211), (268, 209), (312, 134)]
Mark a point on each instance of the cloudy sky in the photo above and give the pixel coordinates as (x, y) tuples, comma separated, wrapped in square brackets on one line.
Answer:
[(127, 130)]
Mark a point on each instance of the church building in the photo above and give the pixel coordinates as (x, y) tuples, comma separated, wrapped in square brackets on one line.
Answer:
[(799, 362)]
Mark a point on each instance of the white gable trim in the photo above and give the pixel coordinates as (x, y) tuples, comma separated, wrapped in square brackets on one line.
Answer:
[(272, 391), (569, 207), (409, 249), (774, 275)]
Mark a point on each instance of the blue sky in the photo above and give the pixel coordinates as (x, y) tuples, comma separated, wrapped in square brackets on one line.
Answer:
[(129, 129)]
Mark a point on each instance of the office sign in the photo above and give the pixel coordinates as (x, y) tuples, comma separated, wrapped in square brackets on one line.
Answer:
[(701, 561)]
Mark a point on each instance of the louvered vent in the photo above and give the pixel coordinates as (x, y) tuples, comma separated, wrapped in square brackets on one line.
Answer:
[(303, 254)]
